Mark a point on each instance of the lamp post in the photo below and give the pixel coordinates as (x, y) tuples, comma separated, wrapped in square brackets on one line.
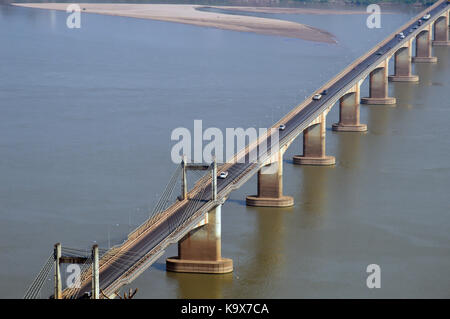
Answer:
[(109, 236)]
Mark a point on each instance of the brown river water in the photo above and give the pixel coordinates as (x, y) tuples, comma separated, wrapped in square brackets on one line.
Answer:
[(85, 123)]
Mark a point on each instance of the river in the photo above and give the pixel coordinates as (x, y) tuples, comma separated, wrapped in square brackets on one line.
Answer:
[(85, 123)]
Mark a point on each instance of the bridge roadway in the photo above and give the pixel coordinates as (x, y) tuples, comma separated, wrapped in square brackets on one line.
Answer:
[(114, 272)]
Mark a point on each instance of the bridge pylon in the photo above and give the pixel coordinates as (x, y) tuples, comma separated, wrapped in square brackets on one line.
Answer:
[(95, 273), (349, 113), (378, 87), (403, 65), (58, 284), (314, 145), (441, 32), (200, 250), (270, 185), (423, 47)]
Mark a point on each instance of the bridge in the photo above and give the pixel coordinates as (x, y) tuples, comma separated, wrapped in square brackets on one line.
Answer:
[(193, 220)]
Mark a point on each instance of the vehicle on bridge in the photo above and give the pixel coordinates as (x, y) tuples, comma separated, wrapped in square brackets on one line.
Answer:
[(171, 222), (223, 175)]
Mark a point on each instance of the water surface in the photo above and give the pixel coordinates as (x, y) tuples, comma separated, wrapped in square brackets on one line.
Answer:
[(85, 123)]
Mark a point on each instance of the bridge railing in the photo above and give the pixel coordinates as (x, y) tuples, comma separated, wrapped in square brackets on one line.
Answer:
[(297, 109), (149, 224), (351, 66), (336, 78)]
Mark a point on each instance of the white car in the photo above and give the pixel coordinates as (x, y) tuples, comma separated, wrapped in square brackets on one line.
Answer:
[(282, 127), (426, 17), (223, 175), (317, 97)]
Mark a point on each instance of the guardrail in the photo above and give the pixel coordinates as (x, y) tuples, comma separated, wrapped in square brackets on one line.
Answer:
[(146, 227)]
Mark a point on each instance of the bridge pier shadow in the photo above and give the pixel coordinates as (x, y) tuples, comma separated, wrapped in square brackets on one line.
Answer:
[(349, 149), (200, 286), (263, 256), (378, 120), (314, 189), (266, 253)]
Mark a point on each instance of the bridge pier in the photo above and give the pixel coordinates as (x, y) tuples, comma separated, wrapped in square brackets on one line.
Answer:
[(270, 186), (314, 145), (403, 66), (441, 31), (200, 250), (378, 88), (423, 48), (349, 114)]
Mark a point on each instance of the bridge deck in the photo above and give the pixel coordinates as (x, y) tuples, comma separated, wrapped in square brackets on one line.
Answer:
[(144, 245)]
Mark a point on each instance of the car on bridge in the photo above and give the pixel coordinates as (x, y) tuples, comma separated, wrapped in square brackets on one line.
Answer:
[(317, 97), (223, 175), (282, 127), (426, 17)]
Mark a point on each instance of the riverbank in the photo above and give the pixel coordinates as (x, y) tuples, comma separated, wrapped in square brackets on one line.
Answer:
[(189, 14)]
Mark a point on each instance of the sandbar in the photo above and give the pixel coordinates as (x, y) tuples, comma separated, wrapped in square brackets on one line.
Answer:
[(189, 14)]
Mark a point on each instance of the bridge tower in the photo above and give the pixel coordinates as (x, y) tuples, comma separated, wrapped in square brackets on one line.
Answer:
[(58, 284), (95, 273), (200, 251)]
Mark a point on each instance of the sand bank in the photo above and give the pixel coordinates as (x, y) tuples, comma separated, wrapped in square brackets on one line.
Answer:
[(188, 14), (279, 10)]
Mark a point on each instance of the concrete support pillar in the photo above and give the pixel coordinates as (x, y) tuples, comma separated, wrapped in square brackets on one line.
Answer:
[(349, 114), (441, 32), (200, 250), (95, 274), (314, 145), (270, 186), (378, 88), (403, 66), (423, 48), (57, 257)]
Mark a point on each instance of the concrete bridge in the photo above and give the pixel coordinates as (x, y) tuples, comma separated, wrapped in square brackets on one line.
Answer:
[(194, 220)]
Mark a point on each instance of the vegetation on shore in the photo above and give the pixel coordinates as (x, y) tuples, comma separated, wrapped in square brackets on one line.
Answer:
[(418, 2)]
